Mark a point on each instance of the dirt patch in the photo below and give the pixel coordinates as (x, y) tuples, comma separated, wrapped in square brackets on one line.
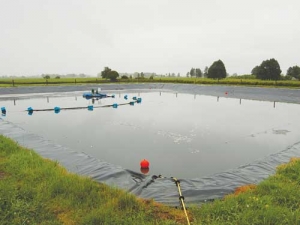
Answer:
[(167, 213)]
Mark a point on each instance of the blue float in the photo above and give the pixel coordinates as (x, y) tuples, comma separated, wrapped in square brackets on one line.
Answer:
[(113, 96), (56, 109), (139, 100), (131, 103), (115, 105), (3, 111), (90, 107), (30, 111), (125, 97), (134, 98)]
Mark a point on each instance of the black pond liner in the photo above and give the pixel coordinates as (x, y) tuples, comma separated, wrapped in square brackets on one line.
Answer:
[(164, 190)]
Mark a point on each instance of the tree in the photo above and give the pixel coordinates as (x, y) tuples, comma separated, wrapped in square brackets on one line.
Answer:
[(294, 72), (198, 73), (112, 75), (124, 77), (187, 74), (193, 72), (47, 77), (178, 75), (57, 77), (217, 70), (205, 74), (269, 70), (254, 71), (105, 72)]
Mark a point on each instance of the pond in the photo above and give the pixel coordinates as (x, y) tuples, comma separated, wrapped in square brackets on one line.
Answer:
[(181, 135)]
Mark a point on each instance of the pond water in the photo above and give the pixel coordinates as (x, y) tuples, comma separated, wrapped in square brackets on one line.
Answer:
[(181, 135)]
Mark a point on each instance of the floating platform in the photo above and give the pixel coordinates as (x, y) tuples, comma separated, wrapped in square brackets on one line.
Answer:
[(95, 95)]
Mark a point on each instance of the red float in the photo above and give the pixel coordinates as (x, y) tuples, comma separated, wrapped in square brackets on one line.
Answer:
[(144, 164)]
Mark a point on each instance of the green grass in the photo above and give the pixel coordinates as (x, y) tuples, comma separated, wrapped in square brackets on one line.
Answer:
[(276, 200), (5, 82), (34, 190)]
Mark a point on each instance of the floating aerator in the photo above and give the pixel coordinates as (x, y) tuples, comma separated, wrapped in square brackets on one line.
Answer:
[(90, 107), (125, 97)]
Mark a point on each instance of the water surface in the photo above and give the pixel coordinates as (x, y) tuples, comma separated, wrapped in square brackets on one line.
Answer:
[(182, 135)]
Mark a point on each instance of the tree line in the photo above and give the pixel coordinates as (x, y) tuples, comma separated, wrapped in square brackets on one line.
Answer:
[(216, 71), (268, 70)]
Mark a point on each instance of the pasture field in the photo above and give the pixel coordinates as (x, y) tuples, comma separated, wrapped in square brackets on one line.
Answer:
[(8, 82)]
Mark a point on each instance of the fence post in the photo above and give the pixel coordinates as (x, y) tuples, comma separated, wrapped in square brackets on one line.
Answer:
[(75, 81), (13, 83), (46, 81)]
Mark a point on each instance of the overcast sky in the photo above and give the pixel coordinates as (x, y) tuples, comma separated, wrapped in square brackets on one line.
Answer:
[(161, 36)]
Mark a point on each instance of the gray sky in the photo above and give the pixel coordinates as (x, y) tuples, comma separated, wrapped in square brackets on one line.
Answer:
[(162, 36)]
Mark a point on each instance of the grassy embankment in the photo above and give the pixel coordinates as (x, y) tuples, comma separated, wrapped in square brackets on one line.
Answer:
[(184, 80), (34, 190)]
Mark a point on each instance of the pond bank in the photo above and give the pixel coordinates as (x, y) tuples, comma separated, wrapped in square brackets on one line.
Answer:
[(38, 191), (238, 92)]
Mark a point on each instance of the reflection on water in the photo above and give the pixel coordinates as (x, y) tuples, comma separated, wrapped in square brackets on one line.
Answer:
[(182, 135)]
